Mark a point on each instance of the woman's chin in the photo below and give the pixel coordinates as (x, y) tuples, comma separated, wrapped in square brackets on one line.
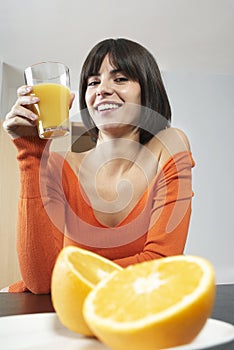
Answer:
[(117, 130)]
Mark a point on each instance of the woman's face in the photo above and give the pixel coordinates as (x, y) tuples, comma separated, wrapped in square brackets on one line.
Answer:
[(113, 100)]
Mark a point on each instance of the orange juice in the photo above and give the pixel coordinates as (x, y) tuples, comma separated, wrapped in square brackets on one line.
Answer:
[(52, 109)]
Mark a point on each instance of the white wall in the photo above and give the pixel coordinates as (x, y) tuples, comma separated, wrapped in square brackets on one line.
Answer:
[(9, 183), (203, 106), (11, 79)]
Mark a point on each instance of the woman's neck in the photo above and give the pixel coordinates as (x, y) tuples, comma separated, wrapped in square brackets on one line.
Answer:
[(118, 154), (123, 132)]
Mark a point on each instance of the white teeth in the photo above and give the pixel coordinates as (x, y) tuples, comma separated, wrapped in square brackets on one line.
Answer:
[(106, 106)]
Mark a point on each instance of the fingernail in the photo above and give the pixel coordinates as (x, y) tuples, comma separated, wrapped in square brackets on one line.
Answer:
[(35, 99), (28, 89), (33, 116)]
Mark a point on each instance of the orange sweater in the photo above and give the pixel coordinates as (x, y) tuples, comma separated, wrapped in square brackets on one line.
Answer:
[(54, 212)]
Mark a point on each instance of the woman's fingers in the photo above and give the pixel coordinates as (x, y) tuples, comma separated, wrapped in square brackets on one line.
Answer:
[(13, 123), (21, 113), (23, 106), (24, 90), (27, 100), (21, 120), (19, 127)]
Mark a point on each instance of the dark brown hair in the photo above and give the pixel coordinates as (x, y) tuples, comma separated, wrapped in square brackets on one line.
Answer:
[(139, 65)]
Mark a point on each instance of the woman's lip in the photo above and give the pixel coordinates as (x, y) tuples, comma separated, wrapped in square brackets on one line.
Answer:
[(108, 111)]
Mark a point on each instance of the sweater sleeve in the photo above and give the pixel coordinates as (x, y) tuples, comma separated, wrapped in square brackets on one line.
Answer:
[(170, 213), (39, 240)]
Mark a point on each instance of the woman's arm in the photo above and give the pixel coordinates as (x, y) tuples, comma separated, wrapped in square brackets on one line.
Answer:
[(39, 240)]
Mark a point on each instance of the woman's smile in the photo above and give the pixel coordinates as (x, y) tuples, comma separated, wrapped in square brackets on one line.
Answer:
[(107, 106)]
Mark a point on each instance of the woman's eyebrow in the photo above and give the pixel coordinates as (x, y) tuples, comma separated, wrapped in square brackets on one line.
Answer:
[(117, 70), (112, 72)]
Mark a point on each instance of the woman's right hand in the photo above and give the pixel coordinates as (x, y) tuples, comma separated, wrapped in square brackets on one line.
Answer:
[(21, 121)]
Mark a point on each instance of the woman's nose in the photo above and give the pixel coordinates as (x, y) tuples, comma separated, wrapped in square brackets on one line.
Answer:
[(104, 88)]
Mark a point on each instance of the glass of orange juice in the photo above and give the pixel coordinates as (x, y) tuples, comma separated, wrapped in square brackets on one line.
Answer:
[(51, 83)]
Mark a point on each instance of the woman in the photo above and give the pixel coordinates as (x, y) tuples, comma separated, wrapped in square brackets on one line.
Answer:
[(129, 198)]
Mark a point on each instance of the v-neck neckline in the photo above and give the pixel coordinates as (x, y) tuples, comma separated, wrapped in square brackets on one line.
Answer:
[(141, 200)]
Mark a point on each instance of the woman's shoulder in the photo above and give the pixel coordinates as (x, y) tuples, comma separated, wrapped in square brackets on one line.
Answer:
[(175, 139), (169, 142)]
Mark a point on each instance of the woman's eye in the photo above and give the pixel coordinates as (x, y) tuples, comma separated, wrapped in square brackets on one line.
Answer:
[(121, 79), (93, 83)]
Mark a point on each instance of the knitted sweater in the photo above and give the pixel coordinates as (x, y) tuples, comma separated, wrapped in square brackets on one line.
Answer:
[(54, 211)]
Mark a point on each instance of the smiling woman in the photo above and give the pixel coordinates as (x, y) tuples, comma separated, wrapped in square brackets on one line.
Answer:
[(128, 198), (131, 67)]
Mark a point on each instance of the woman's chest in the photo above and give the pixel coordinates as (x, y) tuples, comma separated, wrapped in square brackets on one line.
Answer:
[(111, 198), (112, 190), (114, 198)]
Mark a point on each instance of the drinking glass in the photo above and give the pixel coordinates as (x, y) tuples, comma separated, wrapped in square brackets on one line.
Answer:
[(51, 83)]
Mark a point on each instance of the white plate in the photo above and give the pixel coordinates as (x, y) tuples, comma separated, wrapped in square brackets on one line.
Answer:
[(44, 331)]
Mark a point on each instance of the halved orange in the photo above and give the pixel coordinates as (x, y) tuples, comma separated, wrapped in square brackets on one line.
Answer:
[(152, 305), (75, 273)]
